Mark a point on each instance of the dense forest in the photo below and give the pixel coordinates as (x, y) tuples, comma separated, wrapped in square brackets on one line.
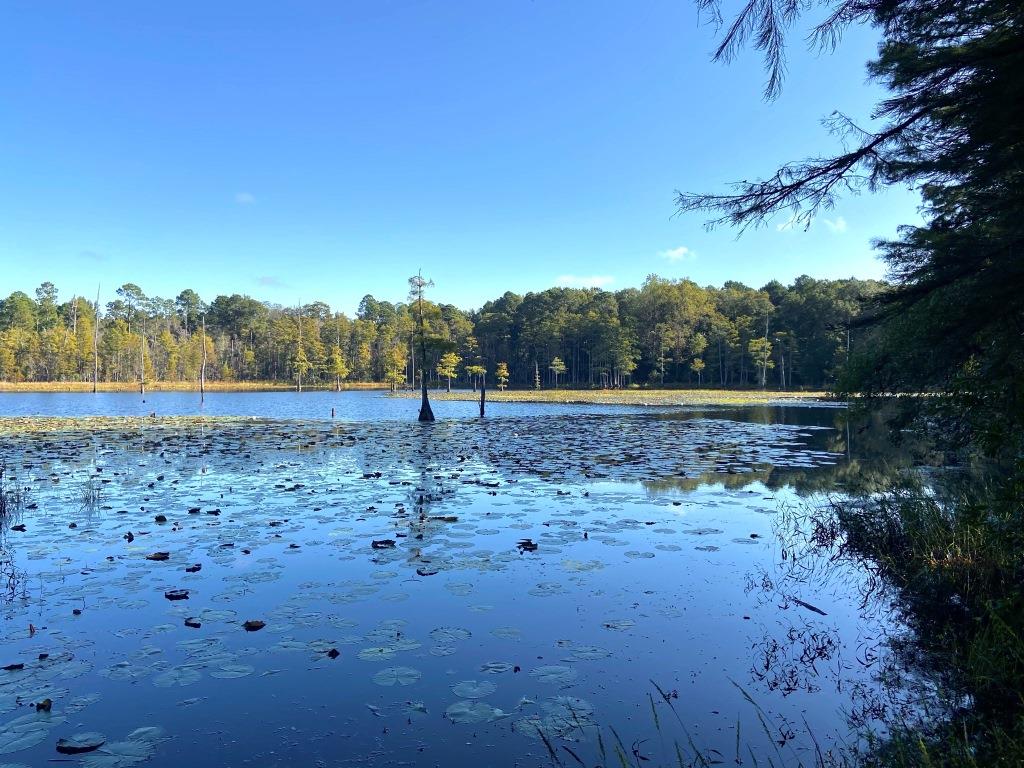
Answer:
[(667, 332)]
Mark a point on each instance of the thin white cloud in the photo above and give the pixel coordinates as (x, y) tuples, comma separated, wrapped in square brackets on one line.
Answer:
[(838, 226), (682, 253), (270, 281), (245, 198), (584, 281)]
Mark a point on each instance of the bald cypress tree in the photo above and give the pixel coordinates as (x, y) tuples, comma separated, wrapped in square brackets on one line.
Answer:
[(417, 287)]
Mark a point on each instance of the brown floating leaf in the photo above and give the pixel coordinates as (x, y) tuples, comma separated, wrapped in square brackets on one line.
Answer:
[(159, 556), (44, 706), (254, 625), (194, 568), (333, 653), (176, 594), (13, 667), (383, 544), (81, 743), (193, 623)]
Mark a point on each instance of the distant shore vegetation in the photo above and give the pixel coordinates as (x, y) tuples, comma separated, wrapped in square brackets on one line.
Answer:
[(666, 333)]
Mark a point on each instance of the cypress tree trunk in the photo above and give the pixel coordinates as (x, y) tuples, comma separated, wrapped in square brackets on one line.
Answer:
[(426, 413)]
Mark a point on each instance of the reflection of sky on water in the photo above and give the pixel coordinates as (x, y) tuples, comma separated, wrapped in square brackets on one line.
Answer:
[(370, 405), (632, 580)]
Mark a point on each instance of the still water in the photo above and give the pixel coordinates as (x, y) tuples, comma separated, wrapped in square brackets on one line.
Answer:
[(374, 591)]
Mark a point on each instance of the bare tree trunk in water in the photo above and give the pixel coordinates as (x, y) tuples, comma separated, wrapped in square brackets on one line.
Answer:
[(426, 412), (483, 394)]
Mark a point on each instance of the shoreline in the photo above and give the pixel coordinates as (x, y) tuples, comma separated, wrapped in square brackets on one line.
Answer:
[(634, 397), (85, 387)]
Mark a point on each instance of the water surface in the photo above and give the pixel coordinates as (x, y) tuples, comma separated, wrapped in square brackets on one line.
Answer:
[(460, 593)]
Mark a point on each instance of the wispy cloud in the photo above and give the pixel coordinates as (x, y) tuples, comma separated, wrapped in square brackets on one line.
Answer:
[(584, 281), (837, 226), (269, 281), (682, 253), (92, 256), (245, 198)]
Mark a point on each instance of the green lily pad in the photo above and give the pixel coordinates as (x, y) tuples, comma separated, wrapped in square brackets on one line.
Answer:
[(177, 676), (397, 676), (444, 635), (554, 673), (474, 689), (26, 731), (231, 671), (471, 712), (136, 748)]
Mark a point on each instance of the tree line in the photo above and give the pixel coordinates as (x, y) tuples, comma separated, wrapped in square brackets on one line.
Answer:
[(664, 333)]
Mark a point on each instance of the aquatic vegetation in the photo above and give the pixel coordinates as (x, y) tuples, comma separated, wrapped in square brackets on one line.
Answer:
[(397, 676), (230, 560)]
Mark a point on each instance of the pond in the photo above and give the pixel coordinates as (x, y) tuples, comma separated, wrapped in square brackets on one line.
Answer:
[(287, 589)]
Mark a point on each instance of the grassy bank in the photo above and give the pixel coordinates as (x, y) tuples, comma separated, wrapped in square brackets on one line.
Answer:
[(630, 396), (175, 386), (946, 553)]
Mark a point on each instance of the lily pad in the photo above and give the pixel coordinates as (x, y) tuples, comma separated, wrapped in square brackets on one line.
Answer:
[(474, 689), (177, 676), (445, 635), (554, 673), (231, 671), (472, 712), (26, 731), (397, 676), (136, 748)]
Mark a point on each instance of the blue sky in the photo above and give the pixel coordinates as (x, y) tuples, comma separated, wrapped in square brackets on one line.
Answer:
[(324, 150)]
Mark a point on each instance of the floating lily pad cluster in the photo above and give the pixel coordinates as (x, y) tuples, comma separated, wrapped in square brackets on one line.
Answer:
[(366, 570)]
